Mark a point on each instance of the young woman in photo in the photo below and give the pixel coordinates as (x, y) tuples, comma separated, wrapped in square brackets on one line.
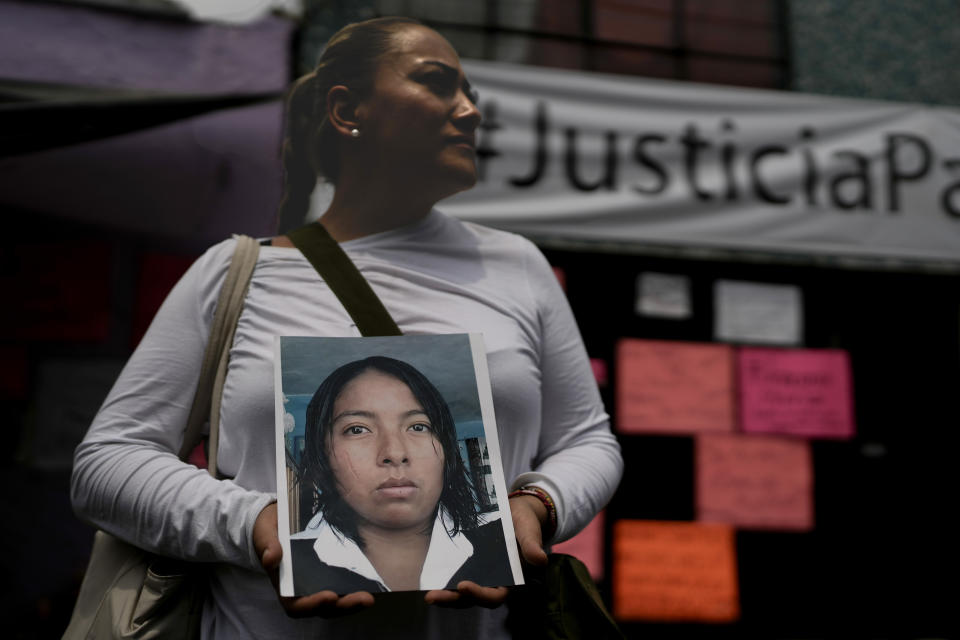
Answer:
[(394, 506)]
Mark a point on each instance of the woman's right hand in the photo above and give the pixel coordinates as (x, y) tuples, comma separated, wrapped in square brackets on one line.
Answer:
[(326, 604)]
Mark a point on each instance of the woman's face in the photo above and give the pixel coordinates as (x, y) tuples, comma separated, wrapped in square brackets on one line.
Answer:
[(383, 453), (419, 120)]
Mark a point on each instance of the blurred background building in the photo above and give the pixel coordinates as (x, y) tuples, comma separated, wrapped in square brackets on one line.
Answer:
[(134, 133)]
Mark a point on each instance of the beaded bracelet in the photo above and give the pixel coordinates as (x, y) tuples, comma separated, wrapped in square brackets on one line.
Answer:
[(547, 501)]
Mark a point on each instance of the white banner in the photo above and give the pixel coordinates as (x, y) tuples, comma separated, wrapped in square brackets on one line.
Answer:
[(592, 157)]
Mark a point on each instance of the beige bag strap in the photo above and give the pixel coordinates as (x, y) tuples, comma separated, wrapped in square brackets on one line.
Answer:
[(213, 371)]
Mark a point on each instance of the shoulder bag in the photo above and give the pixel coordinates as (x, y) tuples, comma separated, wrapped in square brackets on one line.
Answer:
[(133, 594), (560, 602)]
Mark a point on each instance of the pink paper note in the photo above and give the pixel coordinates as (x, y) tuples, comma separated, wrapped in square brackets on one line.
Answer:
[(754, 482), (599, 367), (798, 392), (674, 387), (587, 546)]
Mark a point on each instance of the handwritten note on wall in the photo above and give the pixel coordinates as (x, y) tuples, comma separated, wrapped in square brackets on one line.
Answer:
[(674, 571), (587, 546), (754, 482), (674, 387), (758, 312), (798, 392)]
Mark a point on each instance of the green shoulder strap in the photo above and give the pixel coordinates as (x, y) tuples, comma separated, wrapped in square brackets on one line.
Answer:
[(343, 278)]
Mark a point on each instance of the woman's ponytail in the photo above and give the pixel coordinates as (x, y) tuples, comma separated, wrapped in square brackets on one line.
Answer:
[(299, 142)]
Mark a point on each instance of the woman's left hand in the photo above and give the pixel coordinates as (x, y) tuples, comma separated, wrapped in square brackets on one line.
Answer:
[(529, 514)]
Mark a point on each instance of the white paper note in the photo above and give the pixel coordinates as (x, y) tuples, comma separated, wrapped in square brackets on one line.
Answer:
[(758, 313), (663, 295)]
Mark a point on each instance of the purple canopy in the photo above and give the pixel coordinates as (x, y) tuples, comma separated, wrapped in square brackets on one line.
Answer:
[(200, 178)]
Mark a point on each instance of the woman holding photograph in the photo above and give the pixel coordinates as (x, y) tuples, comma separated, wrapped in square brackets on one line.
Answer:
[(395, 509), (389, 118)]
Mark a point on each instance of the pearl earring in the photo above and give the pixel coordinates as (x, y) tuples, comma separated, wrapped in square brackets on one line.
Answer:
[(355, 132)]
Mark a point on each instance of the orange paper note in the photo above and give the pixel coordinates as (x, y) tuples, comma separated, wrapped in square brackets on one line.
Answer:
[(587, 546), (797, 392), (754, 482), (674, 387), (674, 571)]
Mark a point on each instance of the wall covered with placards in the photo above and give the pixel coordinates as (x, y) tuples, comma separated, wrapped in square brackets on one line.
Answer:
[(788, 433)]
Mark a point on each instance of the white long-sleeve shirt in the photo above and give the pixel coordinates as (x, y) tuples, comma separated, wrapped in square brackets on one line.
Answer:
[(439, 275)]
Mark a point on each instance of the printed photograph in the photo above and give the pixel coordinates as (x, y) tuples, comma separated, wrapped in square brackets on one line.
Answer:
[(389, 473)]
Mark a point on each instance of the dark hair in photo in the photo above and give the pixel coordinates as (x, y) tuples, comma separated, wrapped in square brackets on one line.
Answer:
[(310, 146), (457, 497)]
